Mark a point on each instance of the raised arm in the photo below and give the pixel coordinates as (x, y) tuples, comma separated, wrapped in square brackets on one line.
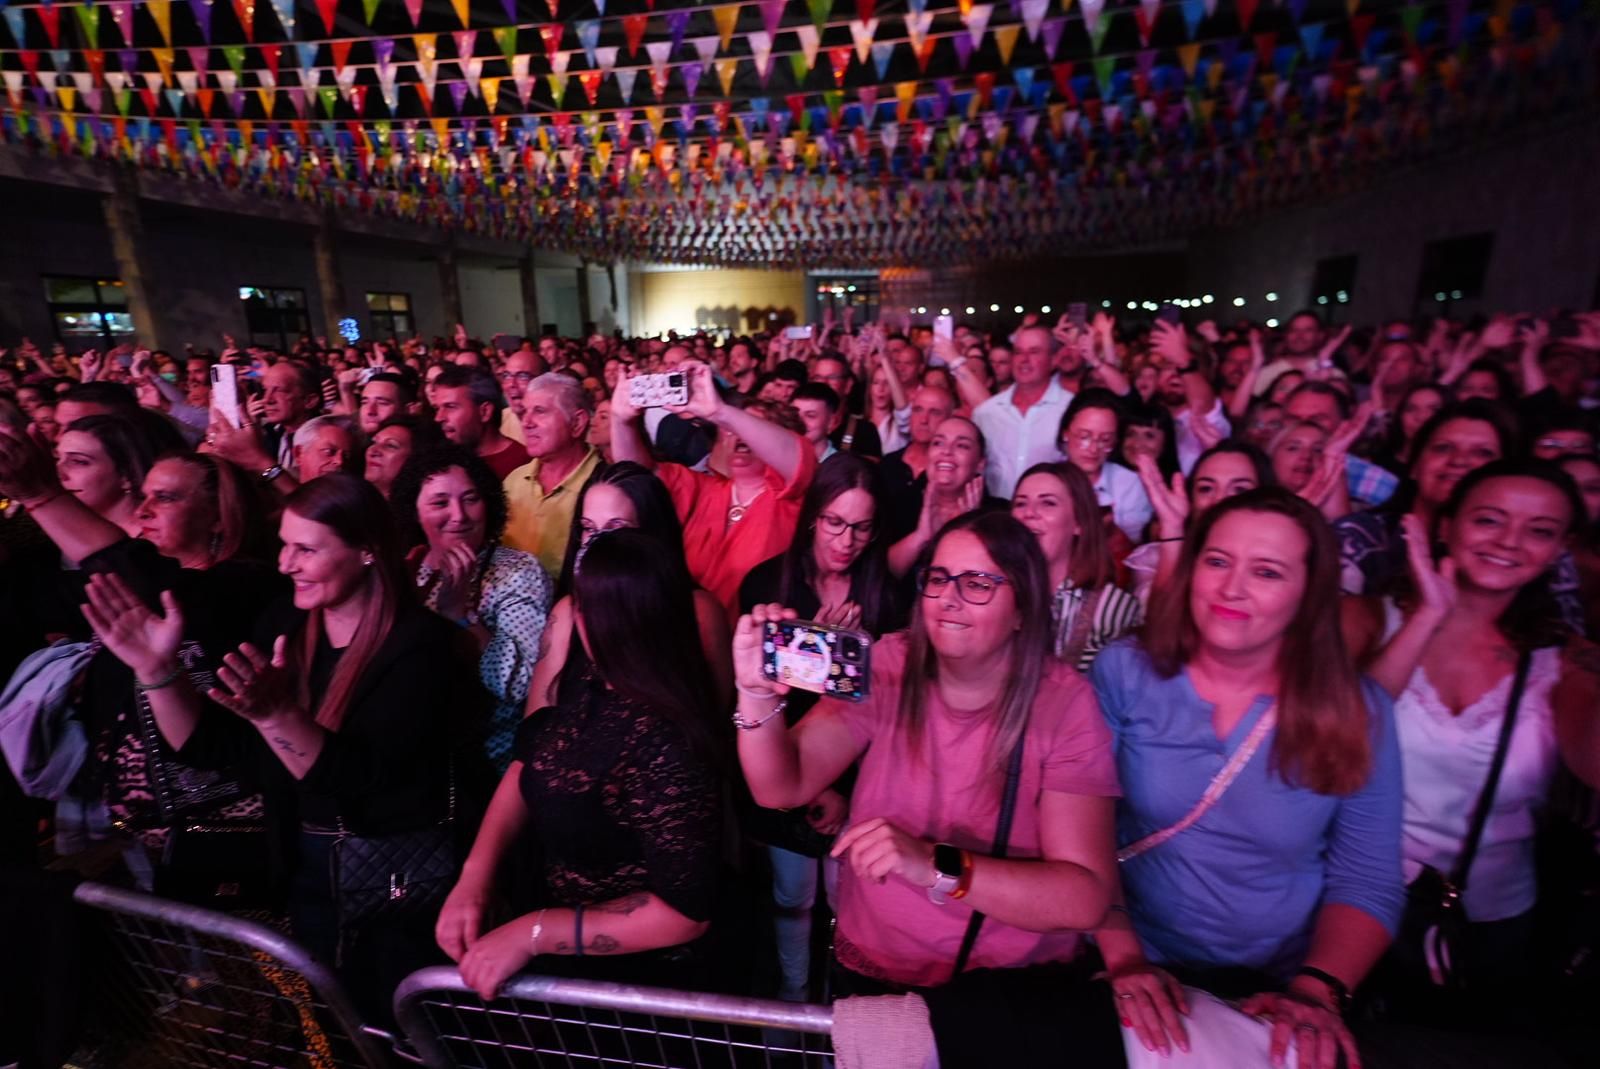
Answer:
[(1533, 377), (777, 447), (28, 476), (1239, 403), (628, 441), (1398, 658)]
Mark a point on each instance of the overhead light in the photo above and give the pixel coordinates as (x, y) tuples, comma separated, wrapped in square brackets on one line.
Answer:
[(1272, 296), (944, 311), (1439, 296), (1272, 322), (1343, 296), (1238, 302), (1045, 309), (1207, 299), (1018, 309), (850, 289), (1151, 306), (922, 310), (1455, 295), (1322, 299), (971, 310), (1105, 304), (1132, 305), (994, 308)]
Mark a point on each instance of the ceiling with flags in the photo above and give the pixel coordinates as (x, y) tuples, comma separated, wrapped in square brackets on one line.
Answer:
[(845, 133)]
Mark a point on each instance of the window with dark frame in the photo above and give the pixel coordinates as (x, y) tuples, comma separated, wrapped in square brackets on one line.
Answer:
[(1453, 270), (1334, 284), (390, 314), (275, 317), (88, 310)]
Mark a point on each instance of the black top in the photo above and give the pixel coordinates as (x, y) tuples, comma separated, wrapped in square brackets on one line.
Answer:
[(903, 491), (864, 441), (618, 801), (387, 768)]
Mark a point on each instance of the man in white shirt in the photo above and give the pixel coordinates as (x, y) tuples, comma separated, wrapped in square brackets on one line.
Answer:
[(1022, 423)]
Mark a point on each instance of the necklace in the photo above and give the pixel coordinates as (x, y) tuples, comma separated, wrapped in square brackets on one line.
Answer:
[(737, 510)]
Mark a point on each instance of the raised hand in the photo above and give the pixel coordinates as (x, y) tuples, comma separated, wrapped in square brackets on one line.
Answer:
[(703, 399), (1171, 503), (1170, 342), (846, 615), (145, 641), (1435, 583), (27, 473), (748, 636), (455, 566), (1331, 347), (255, 687), (1350, 431), (89, 365)]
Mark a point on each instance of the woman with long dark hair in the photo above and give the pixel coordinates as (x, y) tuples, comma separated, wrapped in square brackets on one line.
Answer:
[(834, 572), (617, 783), (618, 496), (347, 708), (1476, 616), (1261, 820), (968, 694)]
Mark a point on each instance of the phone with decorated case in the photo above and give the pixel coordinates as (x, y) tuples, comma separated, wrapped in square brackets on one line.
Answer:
[(806, 655)]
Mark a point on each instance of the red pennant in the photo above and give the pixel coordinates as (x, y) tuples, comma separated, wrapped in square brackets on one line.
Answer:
[(50, 17), (207, 98), (1360, 27), (925, 53), (358, 98), (864, 9), (30, 61), (244, 9), (840, 58), (1266, 44), (797, 104), (633, 31), (985, 85), (550, 34), (269, 53), (328, 9), (422, 95), (341, 53), (590, 80), (96, 59), (148, 97), (1062, 73), (1247, 12)]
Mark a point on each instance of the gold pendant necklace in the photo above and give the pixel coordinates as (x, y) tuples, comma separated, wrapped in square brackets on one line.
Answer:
[(737, 510)]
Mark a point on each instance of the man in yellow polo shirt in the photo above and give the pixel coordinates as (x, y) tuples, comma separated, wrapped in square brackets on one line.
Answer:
[(543, 494)]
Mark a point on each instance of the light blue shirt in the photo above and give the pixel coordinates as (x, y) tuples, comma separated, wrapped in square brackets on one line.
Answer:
[(1017, 440), (1242, 887)]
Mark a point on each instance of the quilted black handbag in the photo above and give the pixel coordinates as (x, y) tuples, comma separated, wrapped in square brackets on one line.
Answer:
[(394, 877)]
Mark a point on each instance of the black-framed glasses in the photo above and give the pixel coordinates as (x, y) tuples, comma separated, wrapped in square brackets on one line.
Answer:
[(974, 588), (523, 377), (833, 526)]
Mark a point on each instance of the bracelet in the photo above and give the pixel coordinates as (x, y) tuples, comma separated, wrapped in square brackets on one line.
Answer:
[(964, 881), (165, 681), (577, 931), (538, 930), (750, 725), (1336, 987), (1174, 538), (35, 506), (272, 473), (760, 695)]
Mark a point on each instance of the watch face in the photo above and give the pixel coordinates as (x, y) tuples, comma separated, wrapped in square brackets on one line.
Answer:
[(947, 860)]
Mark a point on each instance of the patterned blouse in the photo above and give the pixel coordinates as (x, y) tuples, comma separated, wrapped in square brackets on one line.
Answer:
[(1116, 613), (513, 604)]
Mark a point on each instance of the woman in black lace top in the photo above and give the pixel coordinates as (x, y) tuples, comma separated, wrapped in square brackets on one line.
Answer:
[(619, 786)]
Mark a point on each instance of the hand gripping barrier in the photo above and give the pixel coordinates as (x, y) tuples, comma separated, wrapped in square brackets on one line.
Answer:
[(580, 1024)]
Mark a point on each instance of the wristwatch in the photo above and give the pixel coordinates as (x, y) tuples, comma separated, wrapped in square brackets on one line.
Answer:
[(948, 870), (272, 473), (1336, 987)]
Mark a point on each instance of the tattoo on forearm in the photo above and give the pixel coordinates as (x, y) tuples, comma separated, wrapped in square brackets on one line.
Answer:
[(600, 943), (625, 906), (287, 747)]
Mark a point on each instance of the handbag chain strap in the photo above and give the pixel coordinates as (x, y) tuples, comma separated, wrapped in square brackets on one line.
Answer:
[(1457, 880), (1214, 791), (1002, 838)]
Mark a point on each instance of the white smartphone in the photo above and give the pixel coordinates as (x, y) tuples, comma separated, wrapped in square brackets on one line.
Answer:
[(225, 393), (796, 333), (944, 327)]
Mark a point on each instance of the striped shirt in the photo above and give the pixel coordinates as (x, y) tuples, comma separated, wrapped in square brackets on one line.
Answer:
[(1116, 613)]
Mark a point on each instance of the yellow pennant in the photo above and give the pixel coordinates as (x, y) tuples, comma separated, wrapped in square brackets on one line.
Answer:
[(161, 11), (68, 95), (1005, 37), (463, 11), (726, 69), (490, 88), (441, 130), (1189, 56), (906, 92), (268, 98), (163, 63), (727, 18)]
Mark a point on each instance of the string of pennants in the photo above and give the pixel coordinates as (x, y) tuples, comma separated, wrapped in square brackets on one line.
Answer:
[(754, 136)]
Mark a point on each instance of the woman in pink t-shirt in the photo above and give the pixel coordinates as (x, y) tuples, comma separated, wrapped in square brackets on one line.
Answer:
[(949, 702)]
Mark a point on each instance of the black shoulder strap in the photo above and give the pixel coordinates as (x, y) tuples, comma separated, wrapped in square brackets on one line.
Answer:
[(1480, 813), (1002, 837)]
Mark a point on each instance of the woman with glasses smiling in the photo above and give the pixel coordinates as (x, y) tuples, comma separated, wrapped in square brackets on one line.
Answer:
[(833, 572), (962, 706), (1090, 433)]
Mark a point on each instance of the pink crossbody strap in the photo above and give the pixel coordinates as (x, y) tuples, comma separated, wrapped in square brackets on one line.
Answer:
[(1214, 791)]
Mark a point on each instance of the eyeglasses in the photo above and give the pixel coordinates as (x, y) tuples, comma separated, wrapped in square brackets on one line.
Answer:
[(523, 377), (974, 588), (1565, 445), (835, 525), (1090, 440)]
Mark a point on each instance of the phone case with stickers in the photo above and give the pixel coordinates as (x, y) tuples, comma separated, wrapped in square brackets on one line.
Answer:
[(810, 656)]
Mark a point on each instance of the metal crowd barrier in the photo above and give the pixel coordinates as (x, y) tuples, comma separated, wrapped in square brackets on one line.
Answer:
[(191, 987), (541, 1021)]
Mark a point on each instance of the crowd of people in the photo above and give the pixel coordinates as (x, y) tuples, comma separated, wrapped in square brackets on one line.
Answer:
[(1178, 661)]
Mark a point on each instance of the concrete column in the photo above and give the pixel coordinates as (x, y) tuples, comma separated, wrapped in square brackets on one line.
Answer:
[(450, 288), (121, 210), (330, 283), (532, 325), (584, 315)]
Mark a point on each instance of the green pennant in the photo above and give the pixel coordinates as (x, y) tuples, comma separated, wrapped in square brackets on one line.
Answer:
[(797, 63), (506, 38), (89, 19), (329, 95), (234, 54), (194, 131), (123, 98), (804, 119), (834, 99), (368, 9), (1410, 19), (1101, 27), (952, 123), (1104, 68), (820, 9)]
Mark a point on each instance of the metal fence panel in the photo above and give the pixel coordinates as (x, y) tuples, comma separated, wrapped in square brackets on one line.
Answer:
[(189, 987), (544, 1021)]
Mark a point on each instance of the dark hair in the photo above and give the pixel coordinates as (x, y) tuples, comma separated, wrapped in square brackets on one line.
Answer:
[(1137, 413), (1394, 442), (816, 391), (132, 441), (1321, 389), (1258, 461), (423, 465), (838, 358), (871, 585), (1323, 737), (357, 514), (1533, 619), (638, 614), (403, 380), (1094, 397), (113, 395), (424, 432), (652, 504), (242, 529), (1474, 408), (1016, 552), (792, 370), (1502, 377), (480, 385), (1091, 565), (1591, 532)]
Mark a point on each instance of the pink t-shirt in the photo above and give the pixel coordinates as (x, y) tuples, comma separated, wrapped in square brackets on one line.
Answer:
[(955, 798)]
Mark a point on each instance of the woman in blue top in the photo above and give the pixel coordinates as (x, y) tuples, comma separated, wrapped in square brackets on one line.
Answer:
[(1287, 889)]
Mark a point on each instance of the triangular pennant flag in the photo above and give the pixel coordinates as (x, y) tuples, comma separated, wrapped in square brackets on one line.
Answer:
[(588, 37), (1189, 56), (506, 38), (917, 25), (268, 99), (414, 9), (799, 67), (202, 17), (228, 80), (472, 71), (606, 58), (977, 20), (50, 18), (466, 42), (690, 73), (677, 22), (161, 12), (234, 54), (1104, 68), (840, 59), (1005, 39), (1091, 14), (458, 95), (524, 81), (1145, 17), (658, 51), (810, 38), (726, 18), (862, 33), (633, 32), (726, 68), (491, 92), (705, 48), (1053, 29), (339, 51), (906, 94), (881, 55), (1097, 33), (329, 10), (771, 16), (590, 80), (1023, 77), (329, 95), (368, 9), (1033, 13), (122, 15), (1247, 12), (89, 22), (463, 10), (658, 79), (761, 49), (284, 9), (1311, 39), (625, 81)]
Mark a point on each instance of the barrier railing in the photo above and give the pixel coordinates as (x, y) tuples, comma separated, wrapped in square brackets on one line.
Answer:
[(546, 1021), (191, 987)]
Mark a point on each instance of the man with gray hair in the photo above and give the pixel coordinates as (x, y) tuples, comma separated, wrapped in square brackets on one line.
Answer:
[(543, 494), (326, 444), (1022, 423)]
